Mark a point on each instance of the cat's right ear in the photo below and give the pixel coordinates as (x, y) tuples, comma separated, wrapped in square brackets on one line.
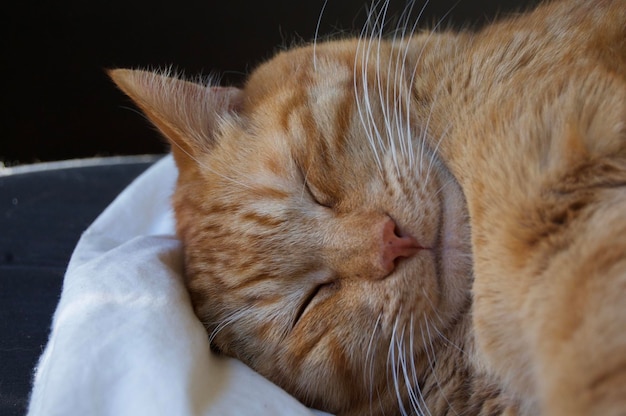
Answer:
[(187, 113)]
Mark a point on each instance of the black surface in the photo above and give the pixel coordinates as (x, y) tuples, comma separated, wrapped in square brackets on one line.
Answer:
[(58, 103), (42, 216)]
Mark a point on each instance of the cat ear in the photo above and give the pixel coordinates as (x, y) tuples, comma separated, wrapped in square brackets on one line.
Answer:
[(188, 114)]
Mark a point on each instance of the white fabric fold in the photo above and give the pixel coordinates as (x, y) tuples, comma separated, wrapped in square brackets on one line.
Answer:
[(124, 338)]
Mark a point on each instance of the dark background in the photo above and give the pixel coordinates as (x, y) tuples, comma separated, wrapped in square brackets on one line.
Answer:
[(59, 104)]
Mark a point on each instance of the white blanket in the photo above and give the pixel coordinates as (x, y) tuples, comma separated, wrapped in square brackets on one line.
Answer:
[(124, 338)]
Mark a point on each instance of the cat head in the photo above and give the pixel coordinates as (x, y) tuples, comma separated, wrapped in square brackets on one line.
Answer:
[(326, 245)]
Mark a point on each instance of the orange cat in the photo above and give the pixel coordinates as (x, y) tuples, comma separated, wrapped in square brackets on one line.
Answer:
[(326, 231)]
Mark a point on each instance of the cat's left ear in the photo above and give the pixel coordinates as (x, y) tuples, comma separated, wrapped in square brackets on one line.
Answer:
[(187, 113)]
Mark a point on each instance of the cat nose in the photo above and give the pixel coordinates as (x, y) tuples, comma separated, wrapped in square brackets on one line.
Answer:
[(395, 245)]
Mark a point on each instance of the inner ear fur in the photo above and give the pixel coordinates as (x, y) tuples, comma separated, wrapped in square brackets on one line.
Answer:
[(186, 113)]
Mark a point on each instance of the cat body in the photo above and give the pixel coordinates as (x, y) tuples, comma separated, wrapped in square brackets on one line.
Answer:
[(538, 144), (331, 208)]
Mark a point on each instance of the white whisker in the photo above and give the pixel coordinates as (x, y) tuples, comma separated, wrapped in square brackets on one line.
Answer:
[(433, 307), (315, 37), (304, 183), (207, 168), (399, 75), (431, 361), (368, 369), (425, 132), (229, 319), (447, 340), (434, 154), (395, 362), (365, 109), (411, 380)]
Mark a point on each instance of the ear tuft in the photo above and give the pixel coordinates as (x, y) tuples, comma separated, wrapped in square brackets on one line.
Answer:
[(187, 113)]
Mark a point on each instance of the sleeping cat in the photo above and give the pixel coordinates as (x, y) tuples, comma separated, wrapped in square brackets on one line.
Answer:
[(331, 208)]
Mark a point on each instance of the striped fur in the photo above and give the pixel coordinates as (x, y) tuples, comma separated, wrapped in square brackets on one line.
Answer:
[(286, 184)]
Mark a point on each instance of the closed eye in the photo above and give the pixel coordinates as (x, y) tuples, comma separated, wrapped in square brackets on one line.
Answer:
[(309, 299), (317, 200), (309, 190)]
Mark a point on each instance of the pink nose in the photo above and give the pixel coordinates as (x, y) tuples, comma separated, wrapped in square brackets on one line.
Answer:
[(395, 246)]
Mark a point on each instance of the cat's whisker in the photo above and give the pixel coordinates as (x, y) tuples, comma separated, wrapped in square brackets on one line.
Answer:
[(402, 369), (304, 183), (433, 31), (447, 340), (399, 75), (414, 74), (423, 137), (409, 97), (419, 391), (134, 110), (316, 35), (433, 197), (433, 307), (441, 321), (207, 168), (368, 127), (398, 113), (383, 93), (368, 369), (427, 340), (406, 34), (389, 100), (373, 50), (395, 364), (425, 132), (364, 109), (234, 316), (431, 358), (412, 81), (434, 153), (412, 380)]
